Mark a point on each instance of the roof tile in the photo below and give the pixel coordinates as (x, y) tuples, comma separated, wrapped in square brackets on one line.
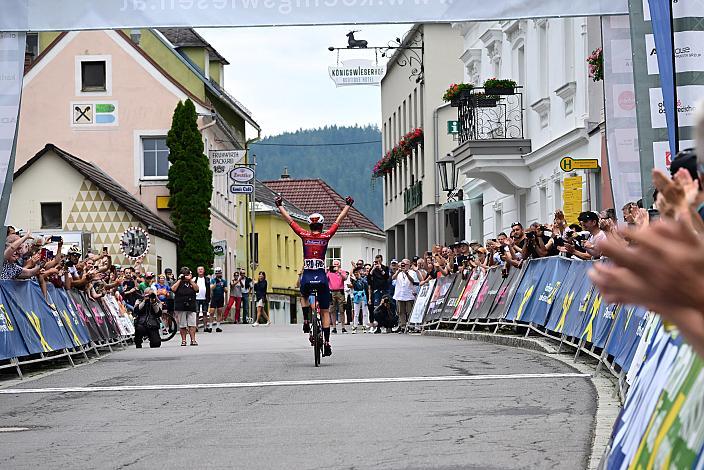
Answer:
[(315, 195)]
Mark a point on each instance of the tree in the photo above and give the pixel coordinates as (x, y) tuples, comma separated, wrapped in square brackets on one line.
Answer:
[(191, 188)]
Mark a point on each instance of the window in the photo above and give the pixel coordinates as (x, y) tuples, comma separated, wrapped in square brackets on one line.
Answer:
[(498, 222), (287, 253), (557, 195), (569, 50), (544, 67), (93, 77), (278, 249), (333, 254), (32, 50), (155, 158), (51, 214)]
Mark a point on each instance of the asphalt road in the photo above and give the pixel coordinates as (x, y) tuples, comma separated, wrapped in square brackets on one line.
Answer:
[(541, 421)]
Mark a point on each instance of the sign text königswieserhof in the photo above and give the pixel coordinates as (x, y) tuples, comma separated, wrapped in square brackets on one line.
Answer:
[(357, 72)]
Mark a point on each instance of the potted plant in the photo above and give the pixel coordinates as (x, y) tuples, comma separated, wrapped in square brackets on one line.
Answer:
[(456, 92), (596, 64), (495, 86)]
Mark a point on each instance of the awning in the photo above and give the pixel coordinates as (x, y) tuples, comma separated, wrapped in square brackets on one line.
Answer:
[(452, 205)]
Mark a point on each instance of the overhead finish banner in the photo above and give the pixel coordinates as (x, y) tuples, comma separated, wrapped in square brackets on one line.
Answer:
[(12, 46), (42, 15)]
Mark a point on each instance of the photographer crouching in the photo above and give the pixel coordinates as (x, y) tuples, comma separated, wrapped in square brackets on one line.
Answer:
[(147, 313)]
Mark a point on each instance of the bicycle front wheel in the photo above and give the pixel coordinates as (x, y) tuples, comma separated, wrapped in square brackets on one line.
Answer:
[(316, 341), (168, 327)]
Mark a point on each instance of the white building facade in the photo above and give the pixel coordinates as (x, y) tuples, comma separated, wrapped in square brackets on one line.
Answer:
[(508, 156), (413, 220)]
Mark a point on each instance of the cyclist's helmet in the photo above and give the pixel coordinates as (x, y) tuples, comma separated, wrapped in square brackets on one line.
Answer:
[(316, 222)]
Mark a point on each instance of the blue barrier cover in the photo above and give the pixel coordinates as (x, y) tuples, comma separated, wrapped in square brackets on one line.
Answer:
[(40, 326), (626, 335), (11, 342), (582, 291), (557, 316), (524, 299), (546, 291)]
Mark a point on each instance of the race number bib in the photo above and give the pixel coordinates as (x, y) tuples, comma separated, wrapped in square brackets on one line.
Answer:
[(314, 264)]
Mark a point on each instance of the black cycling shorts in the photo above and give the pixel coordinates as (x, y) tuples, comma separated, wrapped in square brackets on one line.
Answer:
[(316, 280)]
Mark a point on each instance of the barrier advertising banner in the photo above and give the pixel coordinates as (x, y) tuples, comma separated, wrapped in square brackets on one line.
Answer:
[(42, 15), (626, 334), (437, 301), (86, 316), (554, 273), (474, 285), (453, 297), (11, 342), (41, 328), (487, 293), (473, 293), (424, 294), (524, 299), (505, 294), (72, 320)]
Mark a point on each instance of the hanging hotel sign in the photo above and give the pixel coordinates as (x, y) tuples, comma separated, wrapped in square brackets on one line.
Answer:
[(243, 178), (357, 72), (222, 161)]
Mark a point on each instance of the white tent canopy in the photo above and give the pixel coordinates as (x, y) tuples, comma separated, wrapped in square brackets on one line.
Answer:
[(50, 15)]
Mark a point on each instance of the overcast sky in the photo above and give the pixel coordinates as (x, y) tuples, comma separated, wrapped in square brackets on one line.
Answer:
[(281, 74)]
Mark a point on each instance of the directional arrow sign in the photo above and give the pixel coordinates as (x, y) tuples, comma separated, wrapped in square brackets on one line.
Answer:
[(571, 164), (241, 189)]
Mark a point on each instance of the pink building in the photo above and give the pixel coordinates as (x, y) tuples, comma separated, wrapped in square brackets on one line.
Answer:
[(109, 97)]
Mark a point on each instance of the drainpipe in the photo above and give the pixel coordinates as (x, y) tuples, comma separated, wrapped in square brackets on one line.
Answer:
[(436, 151), (213, 115)]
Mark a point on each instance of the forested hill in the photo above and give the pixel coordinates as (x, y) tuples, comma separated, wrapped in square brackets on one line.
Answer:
[(347, 168)]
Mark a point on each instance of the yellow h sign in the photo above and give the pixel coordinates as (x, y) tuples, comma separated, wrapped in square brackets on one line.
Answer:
[(570, 164)]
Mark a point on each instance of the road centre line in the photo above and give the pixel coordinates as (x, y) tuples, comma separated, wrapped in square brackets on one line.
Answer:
[(292, 383)]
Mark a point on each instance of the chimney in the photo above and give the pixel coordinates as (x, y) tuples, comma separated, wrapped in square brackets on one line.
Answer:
[(285, 175)]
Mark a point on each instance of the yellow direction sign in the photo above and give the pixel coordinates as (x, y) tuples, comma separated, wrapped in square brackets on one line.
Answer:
[(571, 164)]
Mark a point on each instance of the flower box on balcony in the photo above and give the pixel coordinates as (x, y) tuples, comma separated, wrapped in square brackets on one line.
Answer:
[(462, 96), (495, 86), (500, 91)]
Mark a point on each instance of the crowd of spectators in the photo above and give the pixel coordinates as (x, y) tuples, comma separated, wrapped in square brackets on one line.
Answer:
[(193, 300), (373, 297)]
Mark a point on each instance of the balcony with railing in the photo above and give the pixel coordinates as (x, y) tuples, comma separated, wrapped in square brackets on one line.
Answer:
[(491, 137)]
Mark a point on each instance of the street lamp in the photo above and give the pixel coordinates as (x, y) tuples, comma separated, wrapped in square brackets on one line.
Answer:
[(448, 173)]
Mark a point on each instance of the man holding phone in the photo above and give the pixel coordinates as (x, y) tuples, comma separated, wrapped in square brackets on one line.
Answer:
[(379, 281)]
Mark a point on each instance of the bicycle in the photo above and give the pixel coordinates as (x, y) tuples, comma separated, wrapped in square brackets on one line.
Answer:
[(316, 334)]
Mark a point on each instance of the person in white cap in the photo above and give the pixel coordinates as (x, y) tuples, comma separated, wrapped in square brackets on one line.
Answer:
[(218, 292)]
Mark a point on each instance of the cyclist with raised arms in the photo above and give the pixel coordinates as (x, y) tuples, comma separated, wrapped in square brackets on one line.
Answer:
[(315, 244)]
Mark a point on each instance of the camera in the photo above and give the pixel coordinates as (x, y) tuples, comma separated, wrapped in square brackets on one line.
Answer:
[(530, 235)]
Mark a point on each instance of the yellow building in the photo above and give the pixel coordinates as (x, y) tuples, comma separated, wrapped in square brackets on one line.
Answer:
[(279, 253)]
